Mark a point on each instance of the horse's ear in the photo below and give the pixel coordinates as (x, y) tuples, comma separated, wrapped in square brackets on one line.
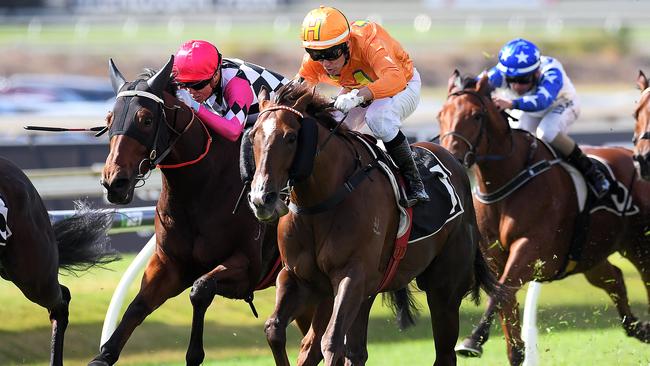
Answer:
[(642, 81), (263, 97), (483, 85), (305, 99), (117, 80), (454, 81), (158, 82)]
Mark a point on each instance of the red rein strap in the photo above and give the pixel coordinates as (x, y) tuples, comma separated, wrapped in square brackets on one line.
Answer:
[(205, 152)]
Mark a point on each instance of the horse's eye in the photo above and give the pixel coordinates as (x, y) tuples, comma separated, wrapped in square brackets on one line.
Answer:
[(291, 138), (147, 121)]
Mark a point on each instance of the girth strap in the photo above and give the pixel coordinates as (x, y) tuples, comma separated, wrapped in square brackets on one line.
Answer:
[(341, 193), (519, 180)]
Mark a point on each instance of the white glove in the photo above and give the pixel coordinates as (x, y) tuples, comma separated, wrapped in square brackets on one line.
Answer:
[(185, 97), (347, 101)]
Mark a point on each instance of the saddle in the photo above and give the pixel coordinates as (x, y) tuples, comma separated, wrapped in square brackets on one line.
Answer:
[(445, 204)]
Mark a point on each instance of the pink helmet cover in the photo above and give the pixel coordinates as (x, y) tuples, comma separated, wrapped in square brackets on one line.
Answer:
[(196, 60)]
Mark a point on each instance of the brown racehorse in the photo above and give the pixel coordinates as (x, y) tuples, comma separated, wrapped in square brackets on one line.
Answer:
[(199, 241), (642, 129), (342, 251), (34, 251), (527, 233)]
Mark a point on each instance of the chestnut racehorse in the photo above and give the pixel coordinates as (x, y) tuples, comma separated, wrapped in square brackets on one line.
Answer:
[(527, 232), (641, 138), (339, 245), (32, 251), (199, 241)]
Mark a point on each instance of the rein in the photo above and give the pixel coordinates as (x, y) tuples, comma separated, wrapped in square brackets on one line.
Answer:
[(473, 146)]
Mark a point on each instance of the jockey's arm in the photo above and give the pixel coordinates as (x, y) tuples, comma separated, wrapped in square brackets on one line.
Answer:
[(390, 77), (549, 87), (239, 97)]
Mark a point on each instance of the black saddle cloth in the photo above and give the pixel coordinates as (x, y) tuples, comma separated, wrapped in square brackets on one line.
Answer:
[(445, 204)]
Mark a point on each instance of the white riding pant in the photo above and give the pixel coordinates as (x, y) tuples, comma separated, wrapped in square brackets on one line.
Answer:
[(548, 126), (384, 116)]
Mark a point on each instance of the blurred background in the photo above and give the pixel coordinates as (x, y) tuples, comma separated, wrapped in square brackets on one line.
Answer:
[(55, 55), (54, 72)]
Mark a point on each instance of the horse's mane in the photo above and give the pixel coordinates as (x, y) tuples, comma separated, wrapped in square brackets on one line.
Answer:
[(171, 87), (319, 107)]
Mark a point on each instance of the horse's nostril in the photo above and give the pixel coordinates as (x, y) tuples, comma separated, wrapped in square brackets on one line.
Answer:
[(270, 198), (119, 183)]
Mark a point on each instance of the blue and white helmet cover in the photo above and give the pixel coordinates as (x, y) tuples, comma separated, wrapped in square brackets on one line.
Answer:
[(518, 57)]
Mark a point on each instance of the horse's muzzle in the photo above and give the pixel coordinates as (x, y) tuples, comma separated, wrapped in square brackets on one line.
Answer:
[(119, 190), (267, 206)]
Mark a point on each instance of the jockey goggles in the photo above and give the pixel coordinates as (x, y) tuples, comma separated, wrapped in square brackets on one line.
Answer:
[(328, 54), (196, 85), (523, 79)]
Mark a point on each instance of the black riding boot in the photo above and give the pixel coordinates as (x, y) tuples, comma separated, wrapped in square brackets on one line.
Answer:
[(597, 181), (400, 151)]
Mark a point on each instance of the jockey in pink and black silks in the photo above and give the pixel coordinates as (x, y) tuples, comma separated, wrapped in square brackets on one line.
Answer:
[(221, 91)]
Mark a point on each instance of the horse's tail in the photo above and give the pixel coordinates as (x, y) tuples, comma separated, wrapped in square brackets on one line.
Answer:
[(485, 279), (82, 239), (403, 305)]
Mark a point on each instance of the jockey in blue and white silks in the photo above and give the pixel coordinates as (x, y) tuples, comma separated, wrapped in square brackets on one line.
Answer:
[(539, 87)]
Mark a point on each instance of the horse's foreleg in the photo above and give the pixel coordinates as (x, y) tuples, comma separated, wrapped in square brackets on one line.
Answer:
[(59, 319), (350, 294), (290, 300), (310, 353), (230, 278), (610, 278), (517, 271), (356, 339), (159, 283)]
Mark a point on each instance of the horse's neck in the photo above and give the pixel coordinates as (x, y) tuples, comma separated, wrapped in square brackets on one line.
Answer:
[(515, 148), (218, 167), (333, 164)]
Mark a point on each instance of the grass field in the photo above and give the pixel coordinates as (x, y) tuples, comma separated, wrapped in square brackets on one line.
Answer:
[(576, 321)]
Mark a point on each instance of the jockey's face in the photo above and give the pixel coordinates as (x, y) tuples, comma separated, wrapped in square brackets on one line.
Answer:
[(523, 85), (333, 67), (200, 95)]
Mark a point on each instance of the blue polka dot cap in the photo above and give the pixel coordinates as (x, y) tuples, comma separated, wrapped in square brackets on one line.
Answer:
[(518, 57)]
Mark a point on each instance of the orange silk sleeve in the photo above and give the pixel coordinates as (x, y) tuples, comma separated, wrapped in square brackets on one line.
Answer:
[(390, 76)]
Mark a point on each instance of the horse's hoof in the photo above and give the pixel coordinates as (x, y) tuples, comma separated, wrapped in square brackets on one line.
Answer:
[(639, 330), (469, 348)]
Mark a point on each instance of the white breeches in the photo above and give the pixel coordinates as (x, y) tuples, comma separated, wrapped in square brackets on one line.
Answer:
[(384, 116), (556, 120)]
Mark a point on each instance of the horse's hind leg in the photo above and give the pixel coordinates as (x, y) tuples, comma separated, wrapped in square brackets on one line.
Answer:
[(472, 346), (639, 255), (159, 283), (59, 314), (610, 278)]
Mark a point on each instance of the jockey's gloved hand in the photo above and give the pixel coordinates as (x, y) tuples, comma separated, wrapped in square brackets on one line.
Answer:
[(347, 101), (185, 97)]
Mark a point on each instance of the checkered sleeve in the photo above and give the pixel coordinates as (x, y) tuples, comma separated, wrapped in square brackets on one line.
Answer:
[(239, 97)]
